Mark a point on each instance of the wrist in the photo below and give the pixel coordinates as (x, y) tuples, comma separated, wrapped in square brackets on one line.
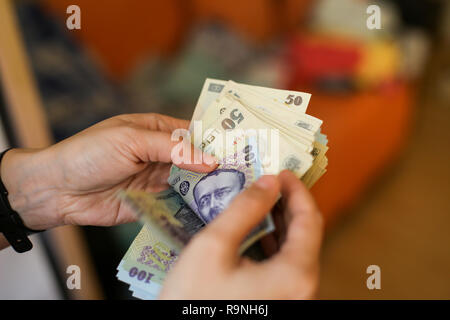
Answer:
[(27, 177)]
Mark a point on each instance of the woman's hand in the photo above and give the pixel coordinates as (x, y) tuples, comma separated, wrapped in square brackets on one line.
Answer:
[(210, 268), (76, 181)]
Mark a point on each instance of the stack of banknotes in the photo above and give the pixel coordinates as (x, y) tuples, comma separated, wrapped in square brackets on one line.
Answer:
[(252, 131)]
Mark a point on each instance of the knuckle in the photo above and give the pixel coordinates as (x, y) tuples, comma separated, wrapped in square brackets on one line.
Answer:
[(128, 130), (123, 118), (153, 115)]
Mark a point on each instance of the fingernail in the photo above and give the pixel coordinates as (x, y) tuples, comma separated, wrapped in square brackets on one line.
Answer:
[(266, 182)]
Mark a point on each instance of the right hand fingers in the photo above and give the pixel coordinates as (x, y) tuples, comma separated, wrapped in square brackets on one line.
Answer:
[(303, 220), (243, 214)]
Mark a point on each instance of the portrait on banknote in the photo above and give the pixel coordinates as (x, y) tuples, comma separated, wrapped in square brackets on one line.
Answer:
[(214, 192)]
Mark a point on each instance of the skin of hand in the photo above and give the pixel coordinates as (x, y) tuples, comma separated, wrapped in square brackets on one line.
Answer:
[(76, 181), (210, 267)]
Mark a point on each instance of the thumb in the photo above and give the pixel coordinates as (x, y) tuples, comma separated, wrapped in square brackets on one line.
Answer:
[(186, 156), (244, 213)]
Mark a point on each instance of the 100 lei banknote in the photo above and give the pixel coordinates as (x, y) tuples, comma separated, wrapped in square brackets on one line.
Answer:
[(171, 217)]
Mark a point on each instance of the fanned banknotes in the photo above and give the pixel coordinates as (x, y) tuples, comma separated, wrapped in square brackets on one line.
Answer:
[(252, 131)]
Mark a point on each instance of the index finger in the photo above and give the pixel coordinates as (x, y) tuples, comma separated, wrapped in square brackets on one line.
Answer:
[(244, 213)]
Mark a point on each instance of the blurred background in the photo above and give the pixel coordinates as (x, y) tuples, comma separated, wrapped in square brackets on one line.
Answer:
[(383, 95)]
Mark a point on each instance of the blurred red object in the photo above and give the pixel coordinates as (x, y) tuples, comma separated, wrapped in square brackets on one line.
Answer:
[(311, 59)]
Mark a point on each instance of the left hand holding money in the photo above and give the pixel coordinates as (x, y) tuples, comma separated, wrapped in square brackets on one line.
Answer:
[(210, 267), (76, 181)]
